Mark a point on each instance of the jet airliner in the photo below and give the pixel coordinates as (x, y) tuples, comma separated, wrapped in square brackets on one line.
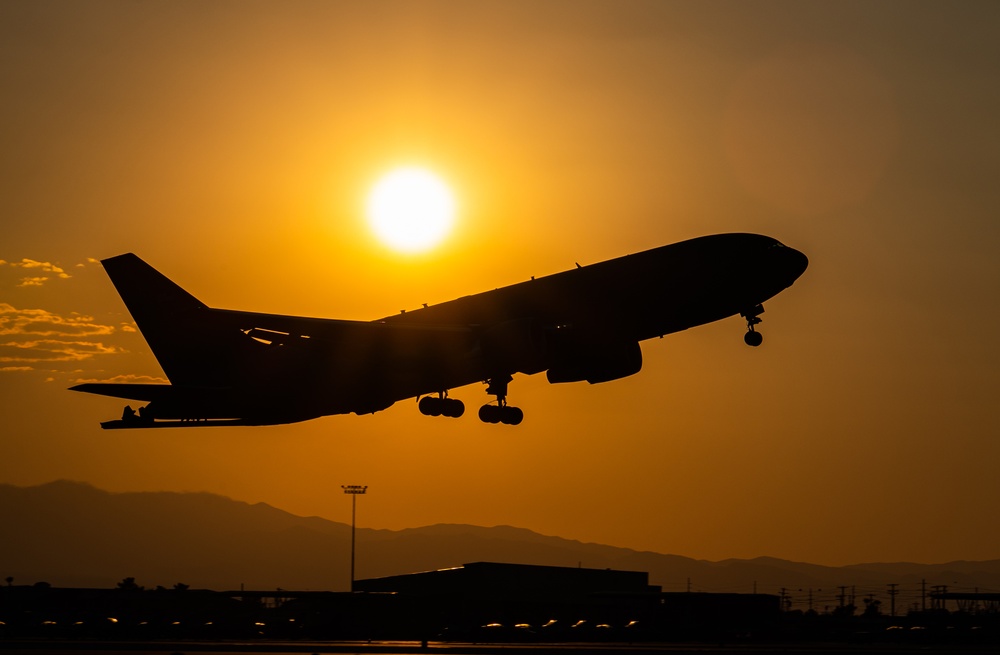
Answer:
[(244, 368)]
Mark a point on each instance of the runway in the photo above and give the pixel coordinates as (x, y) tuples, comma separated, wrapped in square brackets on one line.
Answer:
[(46, 647)]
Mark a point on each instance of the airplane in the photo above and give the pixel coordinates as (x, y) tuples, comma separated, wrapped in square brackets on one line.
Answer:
[(230, 367)]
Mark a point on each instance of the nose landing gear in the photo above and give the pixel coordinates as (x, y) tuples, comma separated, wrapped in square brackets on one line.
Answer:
[(501, 412), (752, 337)]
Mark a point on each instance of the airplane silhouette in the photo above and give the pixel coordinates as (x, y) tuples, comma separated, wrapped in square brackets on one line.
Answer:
[(244, 368)]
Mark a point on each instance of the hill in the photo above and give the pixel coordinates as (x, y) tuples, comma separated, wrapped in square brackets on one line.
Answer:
[(72, 534)]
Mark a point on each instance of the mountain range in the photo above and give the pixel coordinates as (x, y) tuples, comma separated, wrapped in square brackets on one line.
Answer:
[(73, 534)]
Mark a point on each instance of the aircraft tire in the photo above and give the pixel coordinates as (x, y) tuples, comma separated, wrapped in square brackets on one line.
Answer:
[(512, 415), (430, 406), (753, 339), (453, 408), (489, 414)]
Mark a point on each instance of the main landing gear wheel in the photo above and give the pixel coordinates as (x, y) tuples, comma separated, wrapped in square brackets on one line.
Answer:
[(501, 412), (441, 406), (752, 337)]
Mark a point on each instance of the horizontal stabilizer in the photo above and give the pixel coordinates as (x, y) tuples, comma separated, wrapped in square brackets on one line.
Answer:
[(147, 392), (122, 424)]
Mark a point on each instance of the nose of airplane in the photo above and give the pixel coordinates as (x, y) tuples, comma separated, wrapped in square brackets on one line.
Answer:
[(784, 265), (796, 262)]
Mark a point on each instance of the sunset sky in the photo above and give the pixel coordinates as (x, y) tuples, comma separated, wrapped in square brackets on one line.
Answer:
[(233, 145)]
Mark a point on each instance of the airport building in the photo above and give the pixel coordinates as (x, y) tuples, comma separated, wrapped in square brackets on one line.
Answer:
[(514, 582), (565, 603)]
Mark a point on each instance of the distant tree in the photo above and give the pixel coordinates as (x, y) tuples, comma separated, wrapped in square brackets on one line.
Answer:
[(128, 584), (844, 610), (180, 586), (42, 585), (873, 608), (10, 580)]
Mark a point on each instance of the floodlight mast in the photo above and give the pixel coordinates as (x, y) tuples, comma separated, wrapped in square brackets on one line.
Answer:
[(354, 490)]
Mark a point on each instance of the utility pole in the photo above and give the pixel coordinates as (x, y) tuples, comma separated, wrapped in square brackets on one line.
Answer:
[(892, 598), (354, 490)]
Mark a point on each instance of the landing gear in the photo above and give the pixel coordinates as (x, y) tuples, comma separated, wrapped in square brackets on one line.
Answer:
[(441, 406), (752, 337), (505, 414), (501, 412)]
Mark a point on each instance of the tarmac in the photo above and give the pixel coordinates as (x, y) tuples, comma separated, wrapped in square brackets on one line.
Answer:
[(47, 647)]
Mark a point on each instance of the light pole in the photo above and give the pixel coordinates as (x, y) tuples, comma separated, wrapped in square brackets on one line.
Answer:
[(354, 490)]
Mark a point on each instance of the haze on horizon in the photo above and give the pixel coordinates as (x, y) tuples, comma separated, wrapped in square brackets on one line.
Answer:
[(233, 145)]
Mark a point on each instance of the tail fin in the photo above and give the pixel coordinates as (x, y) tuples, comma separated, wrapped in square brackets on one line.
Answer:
[(169, 318), (147, 292)]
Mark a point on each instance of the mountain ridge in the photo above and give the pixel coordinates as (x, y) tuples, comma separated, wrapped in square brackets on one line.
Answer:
[(73, 534)]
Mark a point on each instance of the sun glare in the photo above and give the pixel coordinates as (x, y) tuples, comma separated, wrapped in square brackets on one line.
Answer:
[(411, 209)]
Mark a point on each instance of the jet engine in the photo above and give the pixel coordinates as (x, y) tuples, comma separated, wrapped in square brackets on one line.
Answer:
[(595, 361)]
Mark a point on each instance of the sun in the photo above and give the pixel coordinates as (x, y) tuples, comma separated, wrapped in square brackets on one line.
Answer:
[(411, 210)]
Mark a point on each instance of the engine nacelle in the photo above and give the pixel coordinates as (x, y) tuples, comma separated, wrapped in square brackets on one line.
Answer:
[(598, 361)]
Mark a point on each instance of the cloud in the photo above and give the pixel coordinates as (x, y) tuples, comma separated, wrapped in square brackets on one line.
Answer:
[(48, 267), (42, 267), (53, 350), (43, 323), (37, 335), (33, 281), (53, 271)]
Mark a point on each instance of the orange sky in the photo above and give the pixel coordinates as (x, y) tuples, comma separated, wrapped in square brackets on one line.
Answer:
[(231, 145)]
